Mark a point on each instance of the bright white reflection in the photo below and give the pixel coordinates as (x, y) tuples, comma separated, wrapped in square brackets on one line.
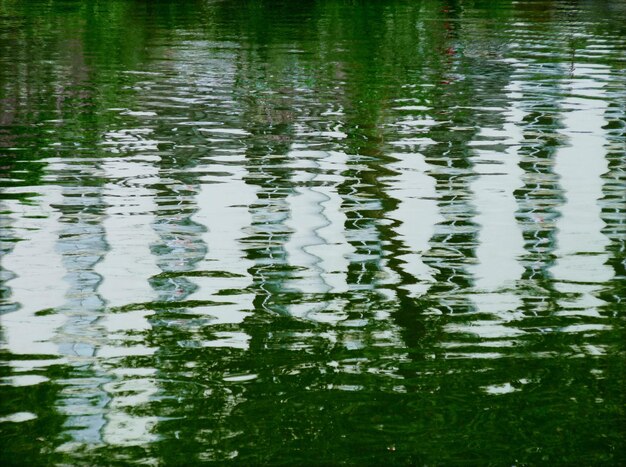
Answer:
[(121, 427), (418, 214), (223, 209), (305, 219), (128, 264), (317, 244), (18, 417), (500, 241), (334, 249), (38, 285), (581, 246)]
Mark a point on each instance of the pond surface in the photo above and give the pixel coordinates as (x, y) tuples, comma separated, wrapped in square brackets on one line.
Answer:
[(313, 232)]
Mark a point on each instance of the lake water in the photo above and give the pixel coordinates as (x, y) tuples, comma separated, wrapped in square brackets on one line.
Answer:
[(313, 232)]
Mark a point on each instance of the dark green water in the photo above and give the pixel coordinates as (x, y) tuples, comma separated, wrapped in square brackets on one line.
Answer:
[(313, 232)]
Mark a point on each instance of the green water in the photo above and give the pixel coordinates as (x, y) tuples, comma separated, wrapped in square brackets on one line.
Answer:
[(312, 232)]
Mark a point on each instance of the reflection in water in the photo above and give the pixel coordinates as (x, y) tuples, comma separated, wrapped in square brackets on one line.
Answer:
[(317, 247), (418, 214), (306, 219), (128, 265), (580, 270), (222, 209), (613, 202), (541, 193), (332, 248), (37, 286), (321, 232), (500, 240), (497, 268)]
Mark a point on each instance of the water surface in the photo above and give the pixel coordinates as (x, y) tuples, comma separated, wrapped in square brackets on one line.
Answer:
[(312, 232)]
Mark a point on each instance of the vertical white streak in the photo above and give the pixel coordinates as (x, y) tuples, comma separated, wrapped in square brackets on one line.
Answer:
[(500, 241), (129, 263), (223, 209), (39, 283), (318, 246), (418, 214), (334, 249), (581, 253)]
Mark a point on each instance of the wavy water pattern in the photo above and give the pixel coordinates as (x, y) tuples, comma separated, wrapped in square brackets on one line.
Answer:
[(312, 233)]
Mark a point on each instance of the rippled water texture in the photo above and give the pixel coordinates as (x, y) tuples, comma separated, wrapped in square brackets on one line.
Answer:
[(313, 232)]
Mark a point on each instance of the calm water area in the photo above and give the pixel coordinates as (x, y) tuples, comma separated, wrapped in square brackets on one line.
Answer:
[(325, 232)]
